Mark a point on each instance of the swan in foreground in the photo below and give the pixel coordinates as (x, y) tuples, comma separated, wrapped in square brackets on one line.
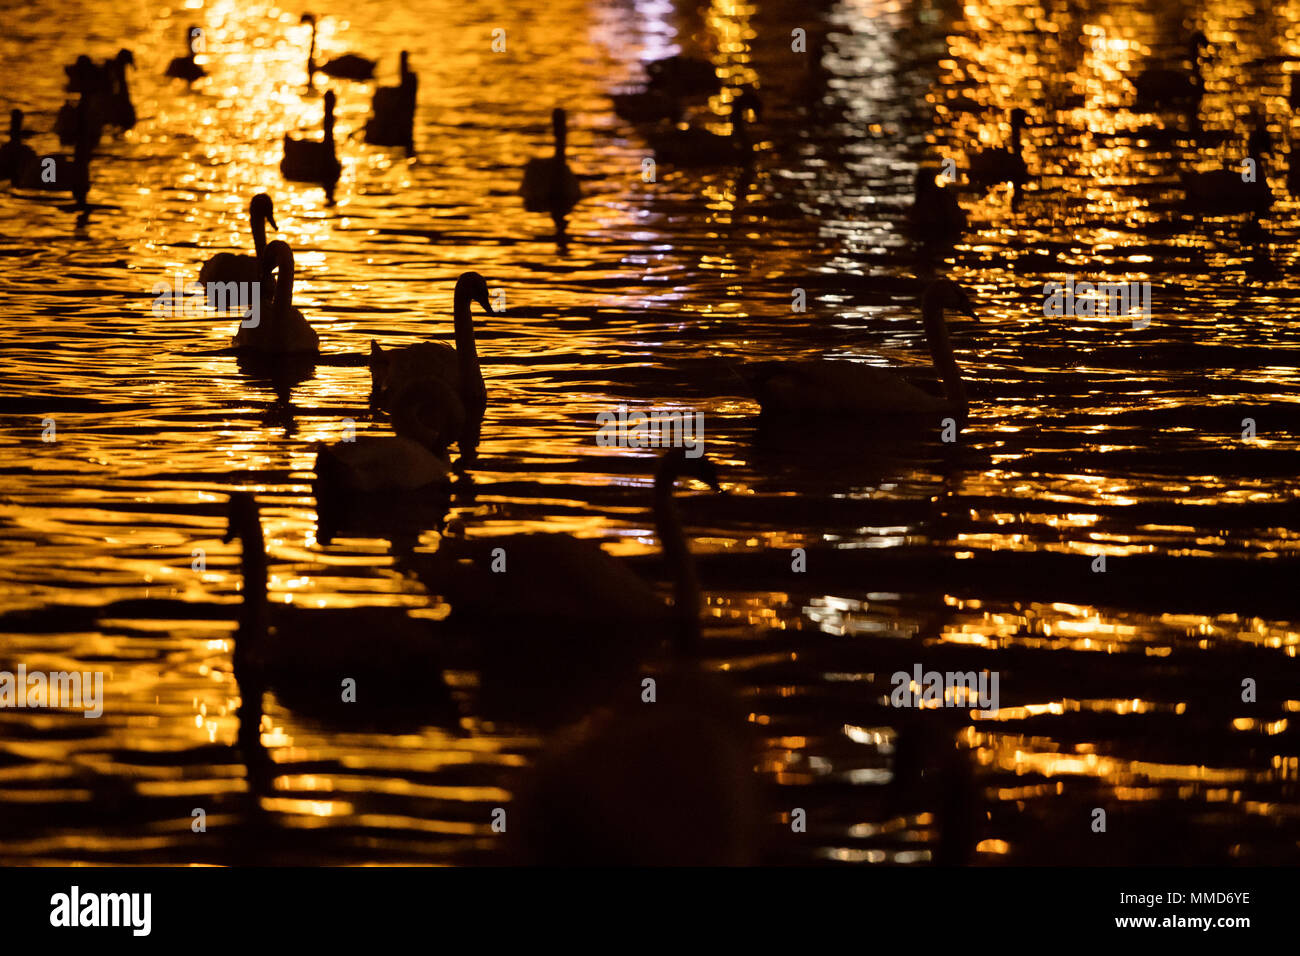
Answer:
[(1006, 165), (349, 66), (314, 161), (549, 185), (668, 782), (281, 329), (392, 120), (1181, 86), (234, 267), (184, 67), (305, 655), (935, 217), (435, 371), (695, 147), (821, 387), (16, 157)]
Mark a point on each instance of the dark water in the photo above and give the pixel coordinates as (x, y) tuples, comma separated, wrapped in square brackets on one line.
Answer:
[(1119, 690)]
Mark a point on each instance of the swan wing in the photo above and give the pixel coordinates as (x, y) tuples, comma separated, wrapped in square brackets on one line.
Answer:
[(831, 387)]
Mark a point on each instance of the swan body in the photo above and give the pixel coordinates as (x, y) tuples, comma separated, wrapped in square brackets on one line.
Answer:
[(372, 464), (282, 329), (822, 387), (119, 110), (392, 120), (935, 217), (1005, 165), (549, 185), (16, 157), (695, 147), (435, 371), (305, 654), (314, 161), (349, 66), (1223, 191), (233, 267), (184, 67), (683, 76)]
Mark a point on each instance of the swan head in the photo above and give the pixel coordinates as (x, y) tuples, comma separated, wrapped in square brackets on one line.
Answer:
[(1018, 118), (308, 18), (945, 295), (261, 207), (125, 57), (675, 464), (473, 286)]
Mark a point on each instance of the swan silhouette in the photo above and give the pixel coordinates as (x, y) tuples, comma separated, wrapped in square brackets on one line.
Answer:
[(119, 111), (1159, 87), (349, 66), (184, 67), (668, 782), (696, 147), (935, 217), (233, 267), (435, 371), (1227, 191), (16, 157), (314, 161), (305, 655), (549, 185), (1006, 165), (669, 83), (822, 387), (282, 330), (392, 120), (370, 464)]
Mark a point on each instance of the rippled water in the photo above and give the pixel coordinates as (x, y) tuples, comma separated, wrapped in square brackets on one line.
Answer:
[(1087, 437)]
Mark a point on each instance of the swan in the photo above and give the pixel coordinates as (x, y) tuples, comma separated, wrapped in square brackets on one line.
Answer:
[(184, 67), (233, 267), (349, 66), (314, 161), (70, 173), (819, 387), (684, 76), (119, 111), (453, 372), (696, 147), (84, 76), (1161, 87), (1006, 165), (392, 122), (15, 155), (549, 185), (936, 216), (282, 328), (1224, 192), (570, 586), (306, 654), (378, 464), (637, 783)]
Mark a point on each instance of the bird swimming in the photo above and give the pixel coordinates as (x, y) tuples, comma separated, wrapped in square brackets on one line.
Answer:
[(184, 67), (314, 161), (234, 267), (282, 329), (823, 387), (697, 147), (936, 217), (392, 119), (1005, 165), (453, 374), (349, 66), (549, 184), (16, 157)]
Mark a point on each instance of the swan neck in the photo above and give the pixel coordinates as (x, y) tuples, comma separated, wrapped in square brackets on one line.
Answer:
[(259, 235), (283, 290), (681, 566), (945, 363), (471, 376)]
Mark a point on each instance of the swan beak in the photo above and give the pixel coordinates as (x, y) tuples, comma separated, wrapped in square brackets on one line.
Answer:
[(271, 219)]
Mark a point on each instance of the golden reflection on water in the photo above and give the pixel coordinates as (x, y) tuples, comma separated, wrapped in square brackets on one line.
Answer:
[(1085, 439)]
